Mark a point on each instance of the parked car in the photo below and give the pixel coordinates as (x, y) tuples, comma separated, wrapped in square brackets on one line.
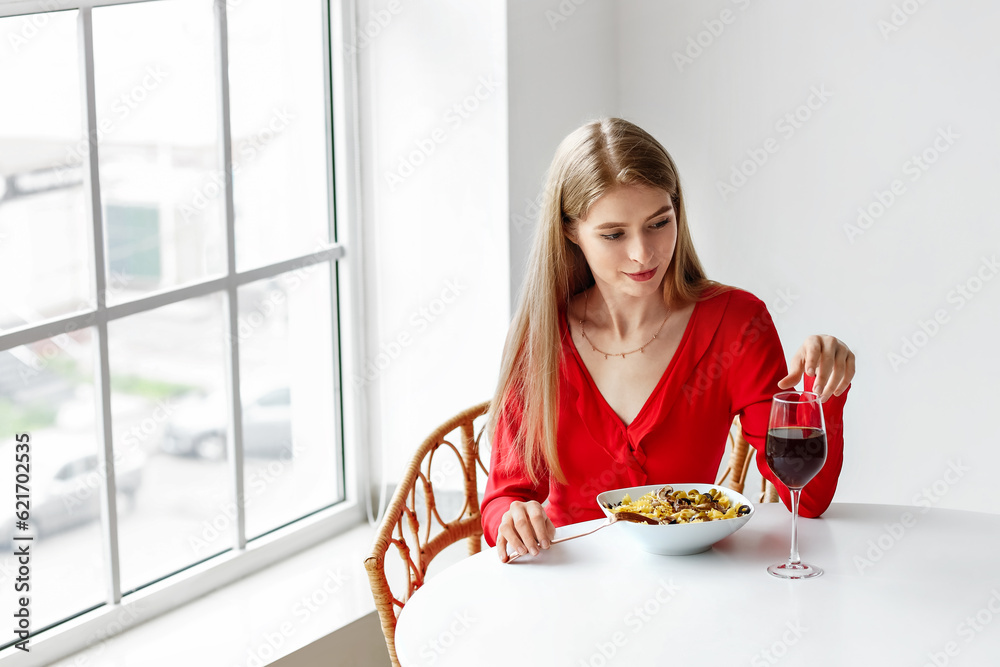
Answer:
[(198, 425), (66, 485)]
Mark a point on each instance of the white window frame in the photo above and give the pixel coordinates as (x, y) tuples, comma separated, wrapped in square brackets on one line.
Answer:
[(118, 613)]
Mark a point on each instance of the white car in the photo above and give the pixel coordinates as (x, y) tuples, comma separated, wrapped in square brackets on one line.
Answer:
[(198, 425), (66, 484)]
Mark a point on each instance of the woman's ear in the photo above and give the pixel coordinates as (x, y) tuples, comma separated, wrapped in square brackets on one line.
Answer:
[(570, 232)]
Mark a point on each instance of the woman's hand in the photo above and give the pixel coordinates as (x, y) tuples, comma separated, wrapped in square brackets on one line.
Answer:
[(828, 359), (526, 527)]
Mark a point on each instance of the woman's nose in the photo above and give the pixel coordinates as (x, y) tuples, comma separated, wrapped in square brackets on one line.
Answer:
[(639, 251)]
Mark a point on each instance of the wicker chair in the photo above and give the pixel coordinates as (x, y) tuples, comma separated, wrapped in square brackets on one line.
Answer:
[(740, 459), (413, 512)]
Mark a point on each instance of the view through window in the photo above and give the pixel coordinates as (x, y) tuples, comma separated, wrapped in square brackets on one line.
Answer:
[(172, 344)]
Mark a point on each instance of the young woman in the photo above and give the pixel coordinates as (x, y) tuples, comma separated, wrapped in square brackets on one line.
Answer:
[(624, 364)]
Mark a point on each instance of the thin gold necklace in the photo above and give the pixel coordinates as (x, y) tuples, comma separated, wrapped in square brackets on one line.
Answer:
[(583, 332)]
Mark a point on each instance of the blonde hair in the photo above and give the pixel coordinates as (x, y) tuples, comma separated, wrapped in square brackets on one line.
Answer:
[(592, 160)]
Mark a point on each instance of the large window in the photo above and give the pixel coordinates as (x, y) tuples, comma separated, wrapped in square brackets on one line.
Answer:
[(169, 269)]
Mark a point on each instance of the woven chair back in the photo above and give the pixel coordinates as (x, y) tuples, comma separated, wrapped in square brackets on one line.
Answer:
[(740, 458), (417, 524)]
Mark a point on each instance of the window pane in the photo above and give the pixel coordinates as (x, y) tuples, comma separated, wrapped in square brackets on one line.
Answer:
[(133, 241), (46, 391), (169, 409), (278, 127), (44, 235), (160, 173), (286, 360)]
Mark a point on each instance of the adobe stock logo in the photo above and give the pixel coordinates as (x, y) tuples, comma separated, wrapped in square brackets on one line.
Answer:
[(636, 620), (456, 115), (418, 323), (892, 533), (972, 626), (434, 648), (248, 150), (703, 40), (31, 24), (780, 647), (377, 22), (914, 168), (566, 9), (900, 16), (787, 126), (960, 296)]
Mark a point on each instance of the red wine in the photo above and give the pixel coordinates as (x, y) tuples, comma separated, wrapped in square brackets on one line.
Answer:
[(796, 454)]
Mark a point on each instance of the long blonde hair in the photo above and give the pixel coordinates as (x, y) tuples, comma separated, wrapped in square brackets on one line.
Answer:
[(592, 160)]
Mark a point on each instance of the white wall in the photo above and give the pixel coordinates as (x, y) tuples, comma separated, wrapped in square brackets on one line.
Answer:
[(562, 66), (780, 232), (788, 227), (433, 104), (784, 230)]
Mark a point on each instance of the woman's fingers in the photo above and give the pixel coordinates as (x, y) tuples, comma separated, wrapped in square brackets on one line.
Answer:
[(502, 546), (541, 526), (511, 543), (813, 351), (525, 528), (511, 528), (848, 374), (514, 527), (794, 371), (826, 358), (526, 534), (824, 365), (803, 361), (834, 366)]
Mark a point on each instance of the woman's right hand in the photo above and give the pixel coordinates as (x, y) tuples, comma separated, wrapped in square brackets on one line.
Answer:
[(526, 527)]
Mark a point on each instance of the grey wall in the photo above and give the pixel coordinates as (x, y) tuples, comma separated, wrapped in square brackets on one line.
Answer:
[(360, 644), (562, 70)]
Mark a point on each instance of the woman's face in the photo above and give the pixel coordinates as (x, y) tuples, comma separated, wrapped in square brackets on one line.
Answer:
[(628, 238)]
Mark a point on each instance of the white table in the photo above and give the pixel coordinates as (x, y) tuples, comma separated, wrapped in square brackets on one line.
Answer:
[(902, 586)]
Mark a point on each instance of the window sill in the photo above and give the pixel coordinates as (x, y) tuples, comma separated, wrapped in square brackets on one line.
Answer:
[(253, 621)]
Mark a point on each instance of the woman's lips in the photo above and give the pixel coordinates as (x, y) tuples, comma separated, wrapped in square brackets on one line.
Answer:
[(642, 277)]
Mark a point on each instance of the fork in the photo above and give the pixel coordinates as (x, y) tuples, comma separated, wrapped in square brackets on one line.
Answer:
[(615, 517)]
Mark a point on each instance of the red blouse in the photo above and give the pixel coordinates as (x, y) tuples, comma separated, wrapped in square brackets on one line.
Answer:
[(728, 363)]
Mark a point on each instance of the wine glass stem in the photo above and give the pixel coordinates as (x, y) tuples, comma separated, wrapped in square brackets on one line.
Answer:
[(793, 558)]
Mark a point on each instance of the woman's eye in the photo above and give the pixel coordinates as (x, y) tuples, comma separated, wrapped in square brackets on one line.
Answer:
[(612, 237), (661, 224)]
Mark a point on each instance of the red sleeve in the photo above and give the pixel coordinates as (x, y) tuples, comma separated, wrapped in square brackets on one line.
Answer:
[(507, 481), (759, 365)]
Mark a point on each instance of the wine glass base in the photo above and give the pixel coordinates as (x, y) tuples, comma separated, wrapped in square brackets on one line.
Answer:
[(794, 571)]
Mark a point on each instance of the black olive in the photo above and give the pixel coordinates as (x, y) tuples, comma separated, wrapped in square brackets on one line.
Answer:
[(743, 509)]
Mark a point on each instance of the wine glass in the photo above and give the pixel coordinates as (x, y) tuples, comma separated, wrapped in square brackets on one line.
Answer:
[(796, 451)]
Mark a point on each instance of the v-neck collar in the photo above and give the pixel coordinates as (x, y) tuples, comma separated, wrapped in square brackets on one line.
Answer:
[(698, 334)]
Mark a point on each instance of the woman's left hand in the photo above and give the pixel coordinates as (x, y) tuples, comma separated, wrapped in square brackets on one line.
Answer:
[(828, 359)]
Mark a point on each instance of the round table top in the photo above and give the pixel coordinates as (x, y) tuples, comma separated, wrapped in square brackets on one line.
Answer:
[(902, 586)]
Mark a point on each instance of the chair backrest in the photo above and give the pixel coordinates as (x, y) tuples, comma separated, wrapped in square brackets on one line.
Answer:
[(413, 513), (740, 459)]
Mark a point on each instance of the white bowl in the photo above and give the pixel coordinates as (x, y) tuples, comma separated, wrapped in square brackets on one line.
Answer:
[(679, 539)]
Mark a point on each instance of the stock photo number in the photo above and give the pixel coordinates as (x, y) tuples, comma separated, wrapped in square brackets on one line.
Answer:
[(21, 544)]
